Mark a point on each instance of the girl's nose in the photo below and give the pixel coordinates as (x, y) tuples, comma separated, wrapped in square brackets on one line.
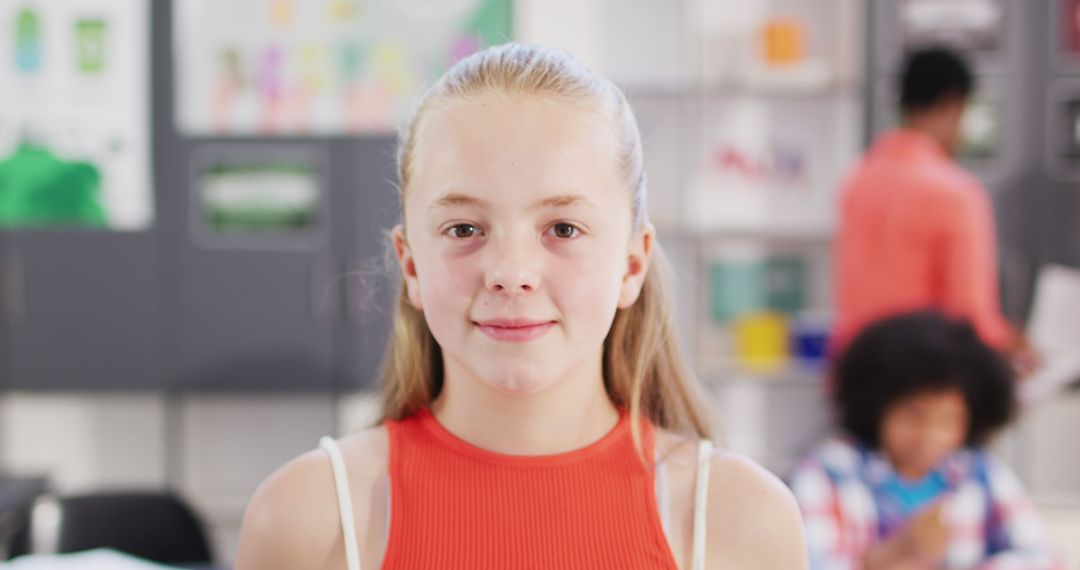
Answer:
[(511, 283), (512, 269)]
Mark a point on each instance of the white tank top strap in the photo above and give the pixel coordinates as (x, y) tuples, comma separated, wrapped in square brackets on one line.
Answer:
[(341, 484), (701, 496), (662, 494)]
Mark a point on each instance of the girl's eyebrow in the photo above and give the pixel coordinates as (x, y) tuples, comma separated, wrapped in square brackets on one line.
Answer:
[(454, 199), (563, 201)]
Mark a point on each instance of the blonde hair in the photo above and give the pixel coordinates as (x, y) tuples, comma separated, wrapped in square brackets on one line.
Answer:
[(643, 370)]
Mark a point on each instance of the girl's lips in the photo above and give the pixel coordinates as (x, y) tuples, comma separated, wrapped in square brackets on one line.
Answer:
[(514, 330)]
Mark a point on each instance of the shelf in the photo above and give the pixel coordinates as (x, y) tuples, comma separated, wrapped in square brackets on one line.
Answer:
[(733, 90), (788, 376), (773, 233)]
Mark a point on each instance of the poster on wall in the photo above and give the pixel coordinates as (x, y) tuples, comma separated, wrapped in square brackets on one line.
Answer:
[(321, 67), (974, 26), (74, 114)]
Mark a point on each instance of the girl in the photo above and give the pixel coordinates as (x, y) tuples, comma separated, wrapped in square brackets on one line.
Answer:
[(535, 413), (908, 487)]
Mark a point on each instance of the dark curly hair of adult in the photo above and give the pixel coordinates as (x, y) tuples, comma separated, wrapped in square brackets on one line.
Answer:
[(932, 75), (917, 353)]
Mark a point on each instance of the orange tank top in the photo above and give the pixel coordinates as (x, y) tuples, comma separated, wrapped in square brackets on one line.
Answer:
[(454, 505)]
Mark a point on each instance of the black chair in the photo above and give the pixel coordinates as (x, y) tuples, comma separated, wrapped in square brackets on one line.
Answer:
[(153, 525)]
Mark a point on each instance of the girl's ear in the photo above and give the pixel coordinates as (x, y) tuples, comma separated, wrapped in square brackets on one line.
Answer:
[(637, 266), (407, 264)]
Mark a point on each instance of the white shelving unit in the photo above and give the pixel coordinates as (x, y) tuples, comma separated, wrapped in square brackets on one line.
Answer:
[(742, 160)]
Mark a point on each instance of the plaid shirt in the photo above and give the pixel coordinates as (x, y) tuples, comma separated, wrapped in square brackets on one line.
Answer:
[(992, 522)]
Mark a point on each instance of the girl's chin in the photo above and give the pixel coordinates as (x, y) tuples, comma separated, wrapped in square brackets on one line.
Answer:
[(519, 384)]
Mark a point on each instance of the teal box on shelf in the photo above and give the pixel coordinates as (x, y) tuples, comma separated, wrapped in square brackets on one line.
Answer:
[(735, 288), (785, 284), (738, 287)]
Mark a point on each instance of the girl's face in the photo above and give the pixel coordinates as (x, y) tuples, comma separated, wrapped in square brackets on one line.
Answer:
[(519, 244), (919, 431)]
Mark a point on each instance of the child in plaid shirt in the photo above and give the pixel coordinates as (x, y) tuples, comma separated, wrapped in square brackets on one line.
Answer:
[(907, 486)]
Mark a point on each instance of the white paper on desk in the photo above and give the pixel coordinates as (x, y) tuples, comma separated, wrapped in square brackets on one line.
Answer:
[(98, 559), (1054, 330), (1049, 378)]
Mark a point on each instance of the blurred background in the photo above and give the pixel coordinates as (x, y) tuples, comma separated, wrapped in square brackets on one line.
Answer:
[(194, 197)]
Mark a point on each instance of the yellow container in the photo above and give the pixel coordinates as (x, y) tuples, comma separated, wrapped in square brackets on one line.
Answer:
[(762, 341)]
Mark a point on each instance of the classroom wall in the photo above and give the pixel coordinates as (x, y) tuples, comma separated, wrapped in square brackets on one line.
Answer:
[(217, 448)]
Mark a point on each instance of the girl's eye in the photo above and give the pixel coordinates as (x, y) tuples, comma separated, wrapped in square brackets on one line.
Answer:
[(564, 230), (462, 231)]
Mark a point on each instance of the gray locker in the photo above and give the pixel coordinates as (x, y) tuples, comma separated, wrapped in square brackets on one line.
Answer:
[(82, 310), (250, 311), (8, 307), (369, 274)]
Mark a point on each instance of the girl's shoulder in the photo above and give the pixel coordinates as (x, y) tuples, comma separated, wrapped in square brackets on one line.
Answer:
[(729, 472), (751, 516), (293, 519)]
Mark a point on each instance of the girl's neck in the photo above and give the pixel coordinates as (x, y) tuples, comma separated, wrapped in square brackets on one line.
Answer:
[(907, 472), (912, 475), (568, 415)]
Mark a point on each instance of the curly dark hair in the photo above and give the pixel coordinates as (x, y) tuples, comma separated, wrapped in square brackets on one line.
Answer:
[(932, 74), (915, 353)]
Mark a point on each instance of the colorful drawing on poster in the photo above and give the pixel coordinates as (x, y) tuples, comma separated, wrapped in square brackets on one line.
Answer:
[(349, 58), (490, 23), (344, 10), (340, 66), (38, 188), (463, 47), (28, 41), (271, 89), (91, 40), (282, 13), (389, 62), (74, 115)]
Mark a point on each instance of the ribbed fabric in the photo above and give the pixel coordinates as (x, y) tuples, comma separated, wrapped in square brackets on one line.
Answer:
[(454, 505)]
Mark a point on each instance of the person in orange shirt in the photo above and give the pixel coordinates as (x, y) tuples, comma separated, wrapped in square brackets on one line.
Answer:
[(915, 230)]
